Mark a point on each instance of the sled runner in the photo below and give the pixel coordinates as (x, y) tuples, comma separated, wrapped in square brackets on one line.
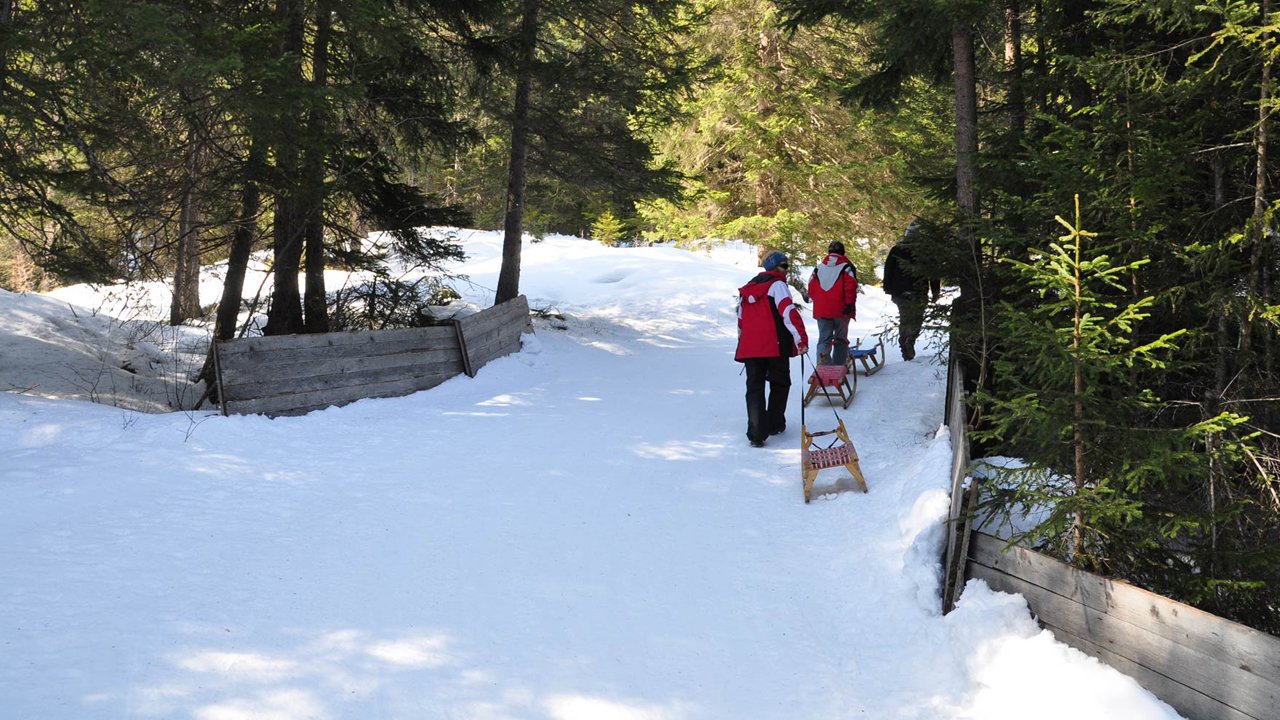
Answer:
[(872, 358), (829, 379), (840, 451)]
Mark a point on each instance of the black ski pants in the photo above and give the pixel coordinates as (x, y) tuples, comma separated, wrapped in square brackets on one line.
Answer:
[(766, 418)]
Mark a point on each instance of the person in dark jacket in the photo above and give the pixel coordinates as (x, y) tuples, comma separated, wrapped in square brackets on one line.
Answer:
[(770, 333), (833, 288), (909, 288)]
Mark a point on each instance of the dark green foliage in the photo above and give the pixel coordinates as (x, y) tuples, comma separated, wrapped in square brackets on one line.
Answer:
[(1150, 113), (385, 303), (604, 80), (774, 158)]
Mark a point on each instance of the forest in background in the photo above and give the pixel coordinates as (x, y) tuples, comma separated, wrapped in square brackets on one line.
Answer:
[(1093, 175)]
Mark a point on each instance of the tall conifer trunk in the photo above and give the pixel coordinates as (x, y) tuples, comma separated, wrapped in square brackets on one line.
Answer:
[(513, 224), (186, 275), (1077, 410), (6, 25), (315, 301), (1013, 66), (768, 53), (1257, 229), (241, 244), (246, 230), (285, 314), (966, 83), (969, 306)]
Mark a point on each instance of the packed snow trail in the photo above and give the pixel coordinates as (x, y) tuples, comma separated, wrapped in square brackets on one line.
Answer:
[(580, 532)]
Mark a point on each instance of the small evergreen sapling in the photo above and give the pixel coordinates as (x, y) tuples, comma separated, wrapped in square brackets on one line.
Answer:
[(1070, 398)]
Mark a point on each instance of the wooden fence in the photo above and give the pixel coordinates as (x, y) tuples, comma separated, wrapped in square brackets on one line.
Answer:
[(1204, 666), (294, 374), (962, 496)]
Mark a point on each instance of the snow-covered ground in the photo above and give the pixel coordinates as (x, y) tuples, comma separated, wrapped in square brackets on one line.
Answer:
[(581, 532)]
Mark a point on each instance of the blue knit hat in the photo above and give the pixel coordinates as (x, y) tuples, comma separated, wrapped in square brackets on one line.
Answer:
[(774, 259)]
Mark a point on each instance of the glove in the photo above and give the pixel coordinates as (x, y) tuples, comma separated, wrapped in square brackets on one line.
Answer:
[(848, 309), (802, 348)]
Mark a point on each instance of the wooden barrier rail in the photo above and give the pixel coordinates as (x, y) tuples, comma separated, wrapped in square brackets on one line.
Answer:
[(1206, 667), (962, 495), (294, 374)]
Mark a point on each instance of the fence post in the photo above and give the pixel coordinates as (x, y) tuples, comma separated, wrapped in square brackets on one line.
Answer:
[(962, 498)]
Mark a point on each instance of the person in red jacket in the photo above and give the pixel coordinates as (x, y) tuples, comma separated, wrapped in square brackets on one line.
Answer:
[(770, 333), (833, 288)]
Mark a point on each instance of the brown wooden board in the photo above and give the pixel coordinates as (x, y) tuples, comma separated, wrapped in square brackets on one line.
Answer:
[(512, 312), (237, 378), (1132, 630), (243, 356), (494, 332), (425, 335), (1239, 645), (957, 529), (492, 318), (372, 371), (1187, 701), (490, 346), (289, 404), (292, 374)]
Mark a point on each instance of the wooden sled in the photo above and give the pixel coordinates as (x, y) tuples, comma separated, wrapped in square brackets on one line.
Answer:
[(872, 358), (840, 453), (829, 379)]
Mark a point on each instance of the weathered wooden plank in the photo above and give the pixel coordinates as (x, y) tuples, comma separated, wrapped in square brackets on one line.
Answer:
[(502, 337), (243, 355), (1187, 701), (282, 404), (493, 343), (277, 343), (292, 374), (485, 354), (1210, 675), (1238, 645), (373, 371), (953, 560), (511, 313), (462, 351), (517, 307), (237, 374)]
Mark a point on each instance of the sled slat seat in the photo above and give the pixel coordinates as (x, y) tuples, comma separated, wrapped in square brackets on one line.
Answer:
[(872, 358), (830, 375), (829, 378), (830, 457)]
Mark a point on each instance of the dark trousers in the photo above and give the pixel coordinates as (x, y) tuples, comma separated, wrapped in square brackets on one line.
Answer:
[(910, 318), (765, 418)]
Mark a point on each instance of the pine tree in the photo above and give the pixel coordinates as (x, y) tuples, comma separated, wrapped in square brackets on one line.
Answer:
[(773, 156), (1070, 386), (590, 81)]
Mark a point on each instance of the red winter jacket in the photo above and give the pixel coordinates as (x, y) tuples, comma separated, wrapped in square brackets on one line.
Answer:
[(769, 324), (833, 287)]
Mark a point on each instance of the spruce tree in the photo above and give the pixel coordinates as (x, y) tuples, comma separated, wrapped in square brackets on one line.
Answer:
[(773, 155), (588, 82)]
